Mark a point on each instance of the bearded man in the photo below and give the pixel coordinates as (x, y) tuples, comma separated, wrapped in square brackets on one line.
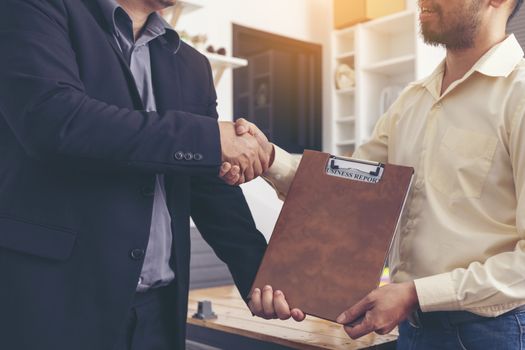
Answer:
[(458, 263)]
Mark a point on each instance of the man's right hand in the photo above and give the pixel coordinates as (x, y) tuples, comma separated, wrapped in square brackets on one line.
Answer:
[(231, 173), (242, 152)]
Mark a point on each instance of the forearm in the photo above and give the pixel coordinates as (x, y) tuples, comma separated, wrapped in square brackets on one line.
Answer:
[(490, 288)]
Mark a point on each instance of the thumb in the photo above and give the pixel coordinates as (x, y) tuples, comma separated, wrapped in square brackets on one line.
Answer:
[(241, 126)]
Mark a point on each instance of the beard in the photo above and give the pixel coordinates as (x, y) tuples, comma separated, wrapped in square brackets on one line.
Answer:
[(166, 3), (457, 31), (161, 4)]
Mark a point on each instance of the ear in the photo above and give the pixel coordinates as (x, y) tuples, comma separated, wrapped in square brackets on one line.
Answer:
[(499, 3)]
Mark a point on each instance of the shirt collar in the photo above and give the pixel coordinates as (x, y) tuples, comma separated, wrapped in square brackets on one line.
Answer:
[(499, 61), (502, 59), (156, 26)]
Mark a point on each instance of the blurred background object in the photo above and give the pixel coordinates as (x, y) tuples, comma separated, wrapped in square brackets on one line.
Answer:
[(350, 12)]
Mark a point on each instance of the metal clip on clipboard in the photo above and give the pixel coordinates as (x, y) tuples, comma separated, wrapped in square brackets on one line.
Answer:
[(355, 169)]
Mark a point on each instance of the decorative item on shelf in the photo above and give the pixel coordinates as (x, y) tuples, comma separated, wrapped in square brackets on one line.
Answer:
[(348, 154), (261, 95), (350, 12), (344, 77), (219, 51), (388, 96), (198, 41)]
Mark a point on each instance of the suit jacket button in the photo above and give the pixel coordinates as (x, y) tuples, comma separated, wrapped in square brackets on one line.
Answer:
[(137, 253), (188, 156), (179, 155), (197, 156)]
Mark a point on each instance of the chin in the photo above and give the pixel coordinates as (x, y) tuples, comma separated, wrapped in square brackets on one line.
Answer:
[(166, 3), (160, 4)]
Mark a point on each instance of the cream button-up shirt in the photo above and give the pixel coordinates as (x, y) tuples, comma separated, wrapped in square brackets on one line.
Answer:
[(462, 238)]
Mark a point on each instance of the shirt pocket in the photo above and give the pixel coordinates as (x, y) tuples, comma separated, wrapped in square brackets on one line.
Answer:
[(462, 163)]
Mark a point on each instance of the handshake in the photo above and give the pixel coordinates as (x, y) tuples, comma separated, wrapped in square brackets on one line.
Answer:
[(246, 152)]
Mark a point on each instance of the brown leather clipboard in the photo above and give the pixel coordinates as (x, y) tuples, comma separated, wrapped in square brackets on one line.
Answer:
[(332, 236)]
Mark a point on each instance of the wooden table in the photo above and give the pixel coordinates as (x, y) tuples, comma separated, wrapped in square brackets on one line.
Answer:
[(235, 319)]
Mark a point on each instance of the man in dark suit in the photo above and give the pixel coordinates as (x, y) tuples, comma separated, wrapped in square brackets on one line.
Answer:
[(109, 141)]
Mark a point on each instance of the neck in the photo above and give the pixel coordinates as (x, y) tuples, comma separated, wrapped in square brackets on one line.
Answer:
[(459, 62), (139, 12)]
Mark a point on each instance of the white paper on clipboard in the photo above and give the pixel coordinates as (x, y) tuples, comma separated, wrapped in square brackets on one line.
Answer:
[(355, 169)]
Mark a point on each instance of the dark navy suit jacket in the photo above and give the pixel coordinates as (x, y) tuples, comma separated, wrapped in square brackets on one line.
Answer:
[(78, 160)]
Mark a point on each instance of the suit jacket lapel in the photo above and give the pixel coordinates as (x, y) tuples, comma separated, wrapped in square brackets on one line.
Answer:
[(165, 76), (93, 8)]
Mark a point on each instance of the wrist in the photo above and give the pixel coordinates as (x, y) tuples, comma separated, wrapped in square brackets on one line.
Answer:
[(272, 156), (413, 294)]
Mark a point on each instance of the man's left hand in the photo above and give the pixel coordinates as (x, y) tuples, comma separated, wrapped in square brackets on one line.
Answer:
[(381, 310)]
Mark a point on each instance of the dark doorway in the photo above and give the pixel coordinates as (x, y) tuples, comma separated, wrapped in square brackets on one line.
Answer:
[(281, 88)]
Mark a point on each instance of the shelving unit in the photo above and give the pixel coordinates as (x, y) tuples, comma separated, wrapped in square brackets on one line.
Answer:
[(344, 117), (386, 53), (182, 7), (219, 63)]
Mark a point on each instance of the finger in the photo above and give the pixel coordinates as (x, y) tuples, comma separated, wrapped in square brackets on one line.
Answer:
[(253, 129), (235, 180), (282, 309), (267, 302), (233, 175), (355, 311), (385, 330), (255, 303), (240, 180), (298, 315), (264, 159), (360, 329), (257, 168), (249, 173), (242, 126), (225, 168)]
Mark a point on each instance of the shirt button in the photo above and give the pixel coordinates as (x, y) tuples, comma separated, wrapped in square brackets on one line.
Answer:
[(197, 156), (179, 155), (188, 156), (137, 253), (419, 184)]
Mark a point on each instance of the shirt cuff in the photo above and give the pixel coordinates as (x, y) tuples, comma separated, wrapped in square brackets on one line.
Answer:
[(282, 171), (437, 293)]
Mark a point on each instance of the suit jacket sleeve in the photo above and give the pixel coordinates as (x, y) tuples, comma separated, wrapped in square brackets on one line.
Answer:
[(223, 218), (45, 104)]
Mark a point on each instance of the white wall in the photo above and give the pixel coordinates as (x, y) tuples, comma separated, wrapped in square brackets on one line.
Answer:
[(308, 20)]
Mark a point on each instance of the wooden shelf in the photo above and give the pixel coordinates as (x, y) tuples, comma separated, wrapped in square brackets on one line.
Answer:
[(220, 63), (349, 91), (345, 32), (349, 119), (346, 55), (394, 66), (345, 143), (393, 24), (181, 7)]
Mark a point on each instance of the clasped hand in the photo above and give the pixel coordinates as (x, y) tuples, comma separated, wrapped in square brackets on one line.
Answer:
[(246, 152)]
